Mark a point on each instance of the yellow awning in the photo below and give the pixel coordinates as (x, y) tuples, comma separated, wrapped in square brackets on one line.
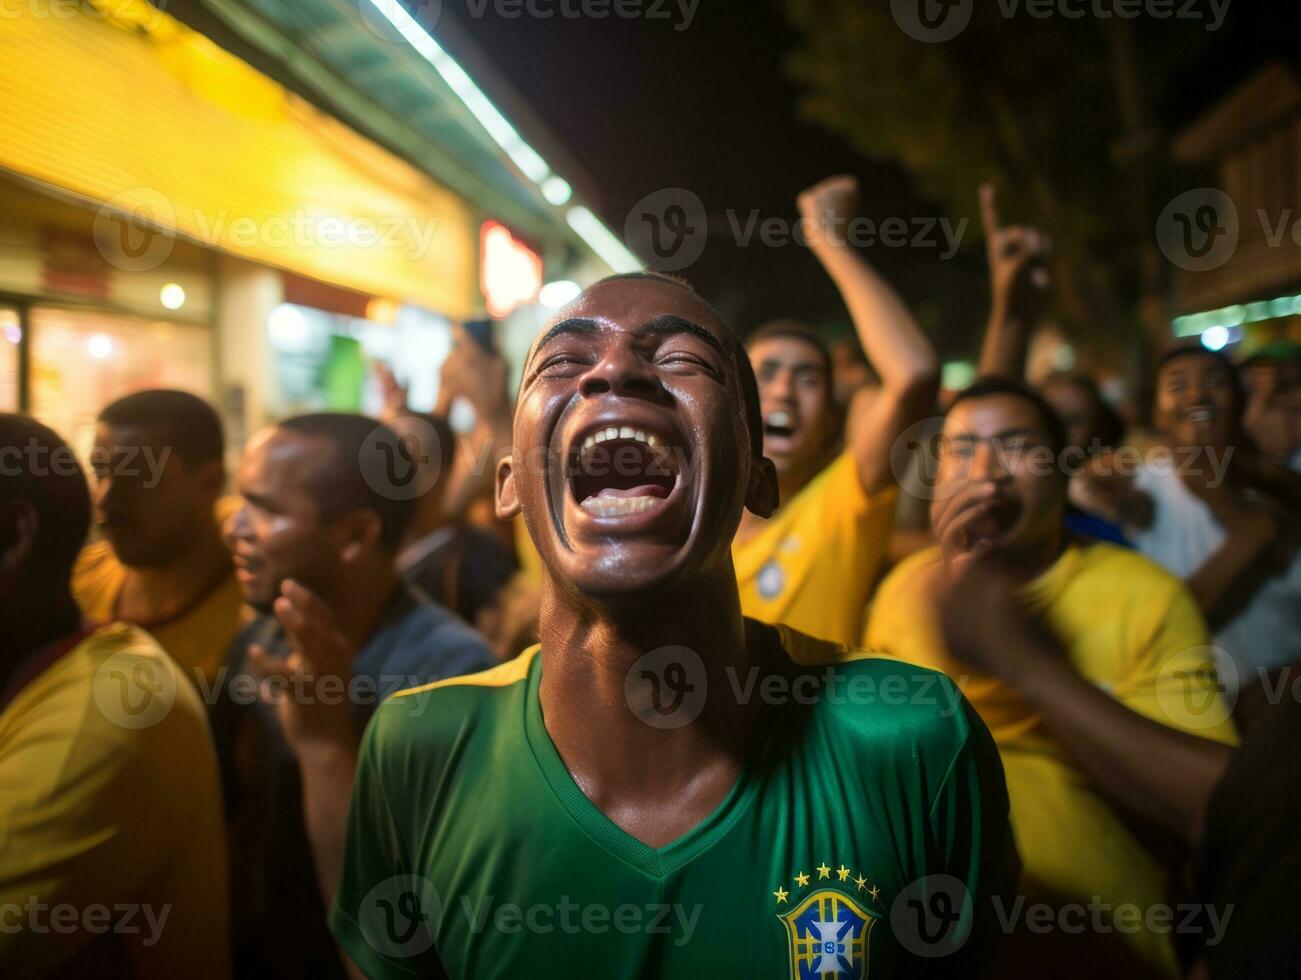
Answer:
[(125, 105)]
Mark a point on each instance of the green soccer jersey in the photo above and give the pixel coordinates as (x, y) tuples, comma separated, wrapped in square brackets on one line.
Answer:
[(863, 837)]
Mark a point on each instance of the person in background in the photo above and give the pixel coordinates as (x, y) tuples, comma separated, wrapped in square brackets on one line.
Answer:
[(813, 564), (1203, 503), (159, 476), (314, 546), (112, 851), (1087, 662), (565, 780), (1021, 283), (462, 566), (1272, 377)]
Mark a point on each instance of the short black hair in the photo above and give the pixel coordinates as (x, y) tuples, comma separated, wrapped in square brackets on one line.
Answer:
[(188, 424), (354, 476), (741, 360), (37, 466), (990, 386)]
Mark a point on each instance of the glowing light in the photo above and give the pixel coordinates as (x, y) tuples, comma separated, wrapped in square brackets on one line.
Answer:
[(601, 240), (510, 273), (1214, 338), (13, 333), (172, 296), (1235, 316), (289, 329), (956, 375), (99, 346), (557, 190), (503, 133), (560, 293)]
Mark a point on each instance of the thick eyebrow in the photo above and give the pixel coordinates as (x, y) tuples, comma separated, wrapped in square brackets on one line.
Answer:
[(574, 325), (668, 323), (1004, 434)]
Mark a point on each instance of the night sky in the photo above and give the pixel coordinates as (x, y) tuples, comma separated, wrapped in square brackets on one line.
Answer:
[(643, 107)]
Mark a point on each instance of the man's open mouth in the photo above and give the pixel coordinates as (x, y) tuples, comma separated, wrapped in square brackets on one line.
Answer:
[(618, 470), (779, 424), (1201, 413)]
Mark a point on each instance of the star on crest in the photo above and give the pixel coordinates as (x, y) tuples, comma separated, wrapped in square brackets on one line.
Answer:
[(780, 894), (823, 870), (801, 879), (843, 872)]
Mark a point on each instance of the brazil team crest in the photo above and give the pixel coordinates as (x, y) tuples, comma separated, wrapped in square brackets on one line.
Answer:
[(828, 934)]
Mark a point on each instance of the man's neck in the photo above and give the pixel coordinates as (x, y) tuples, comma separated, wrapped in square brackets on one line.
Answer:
[(605, 707), (158, 593), (35, 631), (358, 602)]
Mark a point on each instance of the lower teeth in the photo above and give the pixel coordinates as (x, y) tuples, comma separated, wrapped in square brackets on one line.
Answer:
[(617, 506)]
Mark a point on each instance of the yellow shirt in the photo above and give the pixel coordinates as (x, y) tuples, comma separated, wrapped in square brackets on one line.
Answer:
[(110, 800), (1133, 630), (814, 563), (198, 639)]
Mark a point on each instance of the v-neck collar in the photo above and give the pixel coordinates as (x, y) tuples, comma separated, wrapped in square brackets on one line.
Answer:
[(654, 862)]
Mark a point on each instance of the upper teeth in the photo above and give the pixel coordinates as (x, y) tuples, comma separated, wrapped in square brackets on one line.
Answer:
[(618, 432), (782, 419)]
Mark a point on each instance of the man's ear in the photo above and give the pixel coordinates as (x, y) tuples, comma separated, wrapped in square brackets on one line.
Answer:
[(361, 532), (508, 507), (18, 526), (761, 496)]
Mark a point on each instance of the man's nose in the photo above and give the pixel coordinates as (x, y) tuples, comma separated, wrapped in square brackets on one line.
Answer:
[(989, 464), (621, 371)]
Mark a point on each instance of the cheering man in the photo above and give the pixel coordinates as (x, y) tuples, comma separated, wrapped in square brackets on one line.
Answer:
[(663, 787)]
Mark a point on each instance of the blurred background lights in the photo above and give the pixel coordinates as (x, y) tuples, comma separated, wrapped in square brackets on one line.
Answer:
[(1214, 338), (99, 346), (172, 296), (556, 294)]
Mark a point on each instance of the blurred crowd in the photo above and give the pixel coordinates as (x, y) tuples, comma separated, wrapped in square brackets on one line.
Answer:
[(192, 655)]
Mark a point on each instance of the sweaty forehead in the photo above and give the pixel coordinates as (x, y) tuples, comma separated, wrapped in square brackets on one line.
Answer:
[(630, 304)]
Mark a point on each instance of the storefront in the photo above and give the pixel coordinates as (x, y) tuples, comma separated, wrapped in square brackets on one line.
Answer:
[(174, 217)]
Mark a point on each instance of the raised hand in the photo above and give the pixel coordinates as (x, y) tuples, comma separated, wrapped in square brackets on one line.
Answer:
[(826, 209), (1018, 263), (313, 680), (473, 373), (392, 391)]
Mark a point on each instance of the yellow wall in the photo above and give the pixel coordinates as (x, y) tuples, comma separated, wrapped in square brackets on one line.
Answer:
[(128, 106)]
